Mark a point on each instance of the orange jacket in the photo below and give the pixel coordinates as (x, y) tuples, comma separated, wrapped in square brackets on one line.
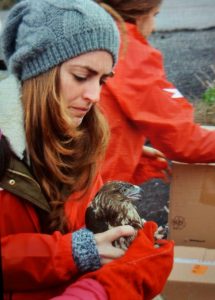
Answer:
[(142, 272), (139, 275), (35, 265), (140, 103), (41, 266)]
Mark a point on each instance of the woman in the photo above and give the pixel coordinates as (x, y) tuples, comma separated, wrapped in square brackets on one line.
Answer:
[(140, 104), (58, 53)]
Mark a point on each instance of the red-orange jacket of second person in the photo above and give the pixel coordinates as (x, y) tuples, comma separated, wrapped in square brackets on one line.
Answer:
[(141, 103)]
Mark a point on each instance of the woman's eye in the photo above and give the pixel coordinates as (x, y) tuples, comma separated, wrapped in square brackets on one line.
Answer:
[(79, 78)]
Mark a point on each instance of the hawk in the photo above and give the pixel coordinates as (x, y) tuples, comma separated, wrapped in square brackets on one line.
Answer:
[(115, 204)]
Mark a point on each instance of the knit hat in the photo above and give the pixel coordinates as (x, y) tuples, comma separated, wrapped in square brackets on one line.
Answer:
[(40, 34)]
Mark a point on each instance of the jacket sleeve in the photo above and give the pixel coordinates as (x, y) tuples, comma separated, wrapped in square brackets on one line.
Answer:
[(37, 259), (157, 108), (142, 272), (83, 289), (31, 260)]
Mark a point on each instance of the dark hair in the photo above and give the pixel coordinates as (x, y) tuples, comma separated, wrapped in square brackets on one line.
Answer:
[(129, 10)]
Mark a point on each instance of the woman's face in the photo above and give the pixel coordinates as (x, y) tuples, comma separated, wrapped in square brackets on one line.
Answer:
[(146, 23), (81, 79)]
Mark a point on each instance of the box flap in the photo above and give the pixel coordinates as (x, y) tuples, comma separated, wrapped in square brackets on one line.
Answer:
[(192, 205)]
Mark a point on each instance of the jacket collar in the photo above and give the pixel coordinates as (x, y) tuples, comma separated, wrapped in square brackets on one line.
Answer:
[(132, 28), (11, 113), (19, 181)]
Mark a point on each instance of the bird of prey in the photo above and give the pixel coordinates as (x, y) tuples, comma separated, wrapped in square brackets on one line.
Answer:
[(115, 204)]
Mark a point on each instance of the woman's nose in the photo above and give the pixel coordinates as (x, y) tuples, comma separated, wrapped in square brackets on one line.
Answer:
[(92, 92)]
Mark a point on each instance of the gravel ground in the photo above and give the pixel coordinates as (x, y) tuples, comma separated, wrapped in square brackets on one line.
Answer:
[(187, 54)]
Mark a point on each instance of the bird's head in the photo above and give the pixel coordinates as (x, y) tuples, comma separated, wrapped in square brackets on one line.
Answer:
[(114, 205)]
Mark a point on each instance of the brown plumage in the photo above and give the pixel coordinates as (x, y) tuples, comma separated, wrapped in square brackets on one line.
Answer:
[(114, 205)]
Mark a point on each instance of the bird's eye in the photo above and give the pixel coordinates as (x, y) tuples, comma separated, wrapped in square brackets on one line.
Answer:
[(123, 190)]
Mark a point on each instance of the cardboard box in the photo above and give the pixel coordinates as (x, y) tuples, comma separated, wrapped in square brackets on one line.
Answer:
[(193, 275), (192, 205)]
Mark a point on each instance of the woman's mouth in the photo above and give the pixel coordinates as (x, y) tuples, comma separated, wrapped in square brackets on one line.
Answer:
[(80, 111)]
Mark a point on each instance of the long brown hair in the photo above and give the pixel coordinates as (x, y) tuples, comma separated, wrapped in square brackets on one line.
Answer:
[(129, 10), (62, 157)]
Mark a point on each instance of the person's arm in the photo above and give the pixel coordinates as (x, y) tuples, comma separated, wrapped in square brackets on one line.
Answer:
[(36, 259), (91, 289), (84, 289), (157, 108), (170, 126), (46, 260), (142, 272)]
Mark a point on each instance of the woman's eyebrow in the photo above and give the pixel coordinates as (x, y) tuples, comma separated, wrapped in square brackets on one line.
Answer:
[(92, 71), (111, 74)]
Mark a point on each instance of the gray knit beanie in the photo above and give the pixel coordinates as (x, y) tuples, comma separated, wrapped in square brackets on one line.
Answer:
[(40, 34)]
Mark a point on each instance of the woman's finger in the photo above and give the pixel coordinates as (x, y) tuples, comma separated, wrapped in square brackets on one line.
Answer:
[(152, 152), (105, 239), (114, 233), (111, 252)]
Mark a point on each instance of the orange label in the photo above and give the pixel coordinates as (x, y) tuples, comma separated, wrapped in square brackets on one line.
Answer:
[(199, 269)]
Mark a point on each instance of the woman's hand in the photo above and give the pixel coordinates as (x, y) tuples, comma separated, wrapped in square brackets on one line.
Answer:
[(153, 153), (158, 156), (142, 272), (104, 241)]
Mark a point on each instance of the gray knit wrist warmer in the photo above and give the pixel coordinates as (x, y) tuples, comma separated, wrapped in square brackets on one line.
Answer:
[(84, 250)]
